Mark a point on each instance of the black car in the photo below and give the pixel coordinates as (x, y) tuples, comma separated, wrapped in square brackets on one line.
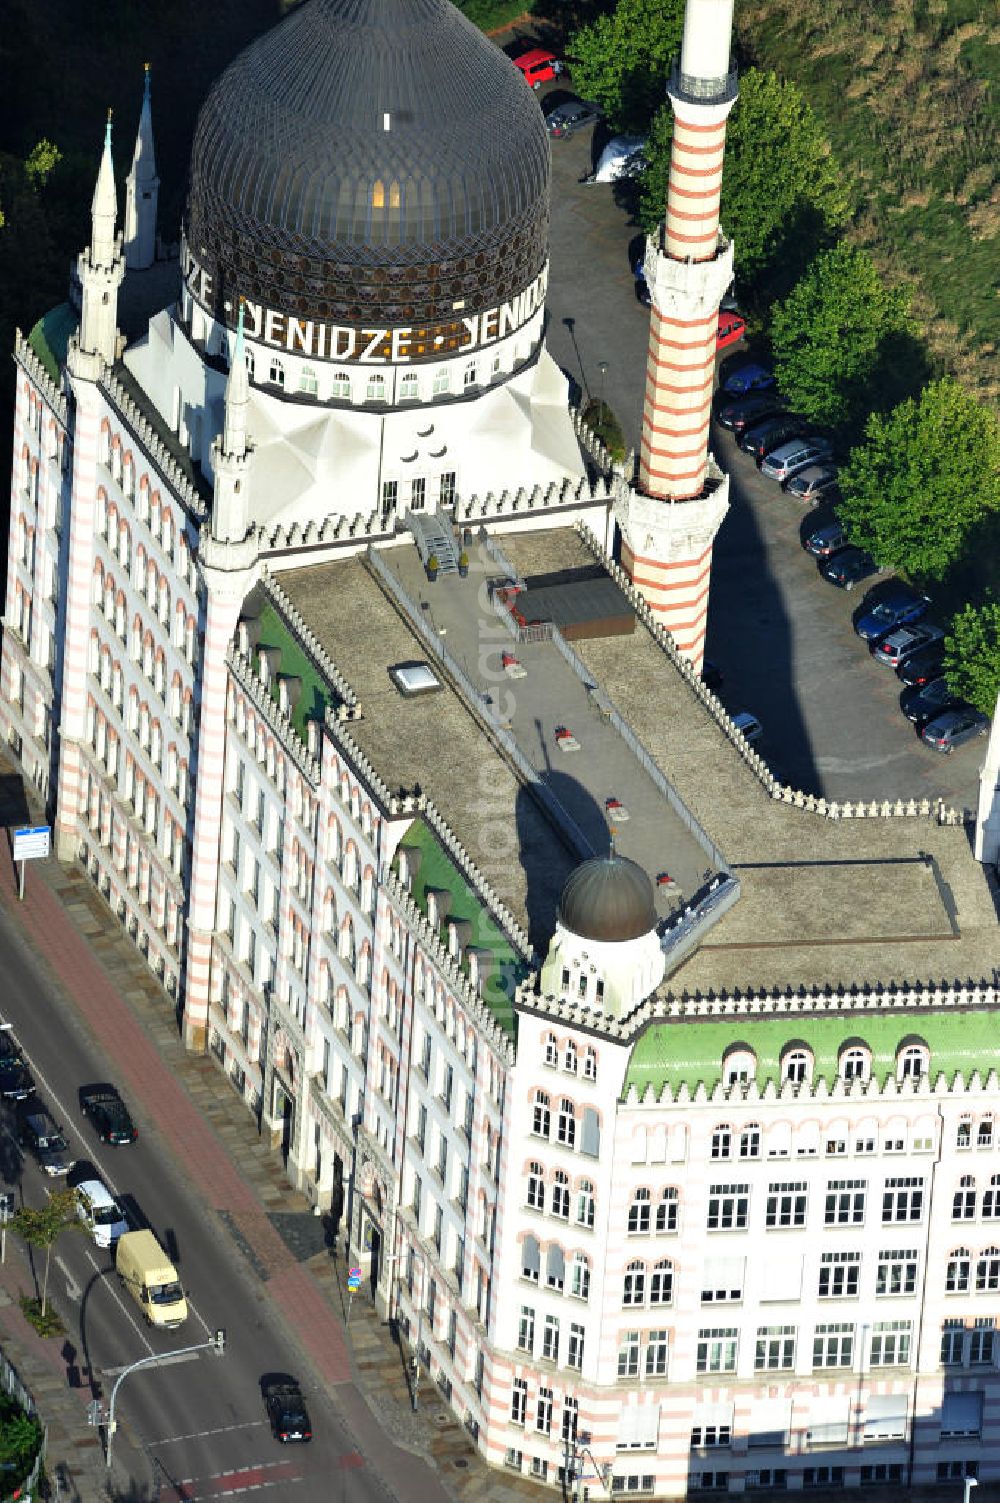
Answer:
[(37, 1132), (740, 413), (286, 1409), (922, 702), (923, 665), (571, 116), (109, 1114), (16, 1083), (847, 566), (761, 438)]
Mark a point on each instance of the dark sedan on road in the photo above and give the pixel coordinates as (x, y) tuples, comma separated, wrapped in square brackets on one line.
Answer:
[(37, 1132), (923, 665), (923, 702), (16, 1083), (286, 1409), (761, 438), (570, 116), (847, 567), (896, 606), (894, 649), (109, 1114), (954, 727)]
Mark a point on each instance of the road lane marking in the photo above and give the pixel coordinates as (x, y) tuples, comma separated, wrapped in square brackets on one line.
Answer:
[(168, 1359), (109, 1286), (238, 1481), (73, 1290), (172, 1440)]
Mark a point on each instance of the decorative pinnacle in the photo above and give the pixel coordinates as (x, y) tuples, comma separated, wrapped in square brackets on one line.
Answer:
[(107, 129)]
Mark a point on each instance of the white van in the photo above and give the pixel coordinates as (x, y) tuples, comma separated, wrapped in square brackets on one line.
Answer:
[(151, 1279), (100, 1212)]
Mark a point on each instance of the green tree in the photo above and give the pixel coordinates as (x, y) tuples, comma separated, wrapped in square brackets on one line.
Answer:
[(622, 60), (925, 475), (20, 1437), (40, 161), (656, 174), (830, 334), (42, 1227), (972, 655)]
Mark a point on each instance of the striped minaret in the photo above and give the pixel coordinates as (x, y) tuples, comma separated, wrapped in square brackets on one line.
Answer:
[(669, 520)]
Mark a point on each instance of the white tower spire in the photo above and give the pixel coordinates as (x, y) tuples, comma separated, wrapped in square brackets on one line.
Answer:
[(100, 267), (987, 845), (142, 187), (231, 454), (234, 437)]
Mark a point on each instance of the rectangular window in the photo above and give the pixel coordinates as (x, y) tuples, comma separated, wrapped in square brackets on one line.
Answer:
[(881, 1473), (952, 1342), (710, 1482), (574, 1352), (839, 1275), (390, 494), (845, 1202), (722, 1280), (775, 1348), (539, 1468), (519, 1401), (418, 493), (704, 1437), (885, 1417), (786, 1204), (716, 1350), (550, 1339), (982, 1341), (570, 1419), (526, 1329), (446, 491), (896, 1273), (657, 1347), (543, 1411), (833, 1346), (728, 1207), (514, 1458), (628, 1355), (902, 1199), (769, 1478), (956, 1471), (891, 1343), (823, 1476), (962, 1416)]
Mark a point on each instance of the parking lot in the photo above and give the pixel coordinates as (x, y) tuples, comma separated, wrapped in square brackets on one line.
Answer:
[(781, 635)]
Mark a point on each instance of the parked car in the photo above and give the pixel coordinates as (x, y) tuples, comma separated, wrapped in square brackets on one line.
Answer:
[(37, 1132), (749, 725), (847, 566), (826, 539), (286, 1409), (16, 1083), (739, 413), (922, 702), (894, 649), (732, 327), (538, 66), (923, 665), (109, 1114), (751, 376), (761, 438), (897, 606), (954, 727), (100, 1212), (570, 116), (789, 458), (814, 483)]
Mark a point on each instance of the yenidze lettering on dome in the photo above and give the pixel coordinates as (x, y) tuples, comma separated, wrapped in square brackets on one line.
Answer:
[(371, 345)]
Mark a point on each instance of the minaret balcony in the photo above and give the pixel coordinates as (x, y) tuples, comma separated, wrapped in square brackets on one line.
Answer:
[(691, 90)]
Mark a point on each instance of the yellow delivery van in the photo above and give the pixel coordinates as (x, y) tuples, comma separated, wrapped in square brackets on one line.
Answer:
[(151, 1279)]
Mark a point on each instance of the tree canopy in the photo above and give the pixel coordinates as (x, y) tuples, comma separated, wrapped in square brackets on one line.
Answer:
[(924, 476), (41, 1227), (622, 60), (972, 655), (831, 334)]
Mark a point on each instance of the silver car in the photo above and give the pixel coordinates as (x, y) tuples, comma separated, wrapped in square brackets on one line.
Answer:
[(795, 455), (814, 483)]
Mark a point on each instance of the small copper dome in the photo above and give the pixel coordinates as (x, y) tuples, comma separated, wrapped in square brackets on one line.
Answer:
[(609, 899)]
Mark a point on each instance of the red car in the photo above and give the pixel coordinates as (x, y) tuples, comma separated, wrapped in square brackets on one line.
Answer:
[(539, 66), (732, 327)]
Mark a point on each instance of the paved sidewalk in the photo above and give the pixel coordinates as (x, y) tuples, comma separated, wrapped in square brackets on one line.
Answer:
[(199, 1118)]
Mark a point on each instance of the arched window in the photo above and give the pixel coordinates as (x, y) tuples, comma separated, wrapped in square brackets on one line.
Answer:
[(991, 1199), (307, 381), (639, 1212), (722, 1142), (580, 1285), (409, 387), (566, 1124), (570, 1057), (340, 391), (551, 1050), (585, 1203), (988, 1271), (541, 1117), (589, 1064), (739, 1065), (634, 1291), (661, 1285), (535, 1197), (957, 1274), (531, 1259), (560, 1195), (469, 377), (796, 1065), (984, 1136), (912, 1062), (855, 1062), (667, 1210), (276, 374), (963, 1202), (442, 382), (375, 390), (750, 1141), (555, 1267)]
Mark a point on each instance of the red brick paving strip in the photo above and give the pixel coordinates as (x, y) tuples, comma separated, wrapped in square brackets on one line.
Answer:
[(146, 1076)]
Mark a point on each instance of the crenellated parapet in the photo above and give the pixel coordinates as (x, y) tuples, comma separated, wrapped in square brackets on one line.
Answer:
[(557, 496), (33, 367), (349, 708), (278, 720), (337, 528), (132, 415)]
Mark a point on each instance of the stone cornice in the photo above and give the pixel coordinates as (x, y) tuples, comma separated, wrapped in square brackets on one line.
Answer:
[(854, 1092)]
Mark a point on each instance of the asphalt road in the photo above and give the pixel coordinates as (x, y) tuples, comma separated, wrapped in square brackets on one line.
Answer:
[(200, 1421), (782, 636)]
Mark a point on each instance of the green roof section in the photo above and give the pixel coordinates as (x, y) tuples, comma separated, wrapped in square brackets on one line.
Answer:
[(50, 338), (439, 872), (316, 693), (690, 1051)]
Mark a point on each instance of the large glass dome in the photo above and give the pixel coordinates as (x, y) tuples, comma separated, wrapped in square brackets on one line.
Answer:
[(369, 159)]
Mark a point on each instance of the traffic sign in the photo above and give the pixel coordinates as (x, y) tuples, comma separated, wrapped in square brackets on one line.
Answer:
[(353, 1284), (31, 843), (354, 1273)]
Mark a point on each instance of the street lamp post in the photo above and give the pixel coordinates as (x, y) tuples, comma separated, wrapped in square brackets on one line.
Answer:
[(217, 1344), (602, 366), (970, 1483)]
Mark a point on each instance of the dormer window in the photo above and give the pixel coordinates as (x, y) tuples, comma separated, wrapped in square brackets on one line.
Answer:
[(796, 1065), (912, 1061), (855, 1062), (276, 374), (739, 1065)]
